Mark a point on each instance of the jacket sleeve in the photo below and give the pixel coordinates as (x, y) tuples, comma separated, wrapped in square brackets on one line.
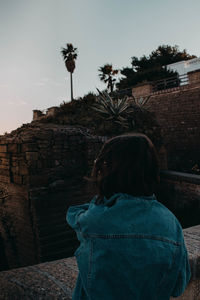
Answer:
[(184, 275), (75, 213)]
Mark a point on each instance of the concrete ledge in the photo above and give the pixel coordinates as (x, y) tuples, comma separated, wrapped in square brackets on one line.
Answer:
[(180, 193), (56, 280), (51, 280), (180, 176)]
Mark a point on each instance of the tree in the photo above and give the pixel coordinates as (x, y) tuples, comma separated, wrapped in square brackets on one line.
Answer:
[(70, 55), (107, 75), (152, 67)]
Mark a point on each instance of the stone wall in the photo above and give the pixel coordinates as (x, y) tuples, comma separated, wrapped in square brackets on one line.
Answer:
[(41, 173), (180, 192), (142, 90), (194, 76), (178, 112)]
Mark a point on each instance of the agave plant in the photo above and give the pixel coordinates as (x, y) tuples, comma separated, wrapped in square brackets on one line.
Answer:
[(113, 109)]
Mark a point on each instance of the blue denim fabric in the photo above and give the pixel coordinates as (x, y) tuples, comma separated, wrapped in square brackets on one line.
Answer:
[(131, 248)]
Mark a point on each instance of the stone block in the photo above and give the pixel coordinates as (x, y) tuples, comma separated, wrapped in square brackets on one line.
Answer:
[(30, 147), (44, 135), (4, 161), (44, 144), (14, 163), (25, 180), (194, 77), (5, 167), (5, 172), (4, 155), (32, 156), (3, 148), (15, 170), (4, 179), (38, 180), (14, 148), (23, 170), (17, 179)]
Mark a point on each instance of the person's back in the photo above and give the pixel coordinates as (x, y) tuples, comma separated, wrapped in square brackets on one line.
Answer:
[(132, 247)]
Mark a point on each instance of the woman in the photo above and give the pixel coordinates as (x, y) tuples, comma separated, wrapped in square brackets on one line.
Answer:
[(131, 246)]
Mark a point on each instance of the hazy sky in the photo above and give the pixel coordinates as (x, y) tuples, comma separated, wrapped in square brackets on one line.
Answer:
[(33, 75)]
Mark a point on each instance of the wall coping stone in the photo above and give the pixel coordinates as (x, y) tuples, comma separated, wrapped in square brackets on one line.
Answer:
[(56, 279), (180, 176), (178, 89)]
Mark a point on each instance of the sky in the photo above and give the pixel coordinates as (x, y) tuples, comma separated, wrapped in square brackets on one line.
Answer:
[(33, 74)]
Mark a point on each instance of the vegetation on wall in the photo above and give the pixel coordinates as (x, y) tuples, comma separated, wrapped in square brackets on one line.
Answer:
[(127, 117), (113, 109), (107, 75), (151, 68), (113, 114)]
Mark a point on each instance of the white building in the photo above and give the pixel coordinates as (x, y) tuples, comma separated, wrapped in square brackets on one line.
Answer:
[(185, 66)]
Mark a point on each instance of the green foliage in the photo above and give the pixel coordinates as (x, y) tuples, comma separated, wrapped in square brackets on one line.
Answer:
[(196, 169), (111, 118), (151, 68), (107, 74), (88, 98), (69, 55), (111, 114), (112, 109)]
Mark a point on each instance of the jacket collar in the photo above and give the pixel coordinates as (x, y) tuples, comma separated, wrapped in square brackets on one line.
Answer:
[(123, 196)]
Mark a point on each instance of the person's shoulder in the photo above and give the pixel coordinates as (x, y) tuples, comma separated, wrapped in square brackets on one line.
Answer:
[(102, 215), (168, 221), (164, 211)]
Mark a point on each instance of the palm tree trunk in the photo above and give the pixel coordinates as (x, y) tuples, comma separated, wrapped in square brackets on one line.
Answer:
[(71, 86), (110, 84)]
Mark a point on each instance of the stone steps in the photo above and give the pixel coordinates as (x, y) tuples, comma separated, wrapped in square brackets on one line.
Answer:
[(52, 216), (47, 213), (52, 228), (54, 255), (58, 245), (62, 235), (56, 238)]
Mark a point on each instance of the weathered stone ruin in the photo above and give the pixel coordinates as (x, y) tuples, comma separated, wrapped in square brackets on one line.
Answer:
[(41, 173)]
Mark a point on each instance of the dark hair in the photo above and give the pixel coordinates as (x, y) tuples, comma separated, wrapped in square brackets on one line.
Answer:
[(126, 164)]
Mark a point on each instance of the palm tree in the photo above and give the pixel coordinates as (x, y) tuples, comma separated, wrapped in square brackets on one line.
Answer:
[(69, 55), (107, 75)]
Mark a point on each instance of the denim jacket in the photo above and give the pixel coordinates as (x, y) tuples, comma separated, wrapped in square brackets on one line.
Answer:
[(131, 248)]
